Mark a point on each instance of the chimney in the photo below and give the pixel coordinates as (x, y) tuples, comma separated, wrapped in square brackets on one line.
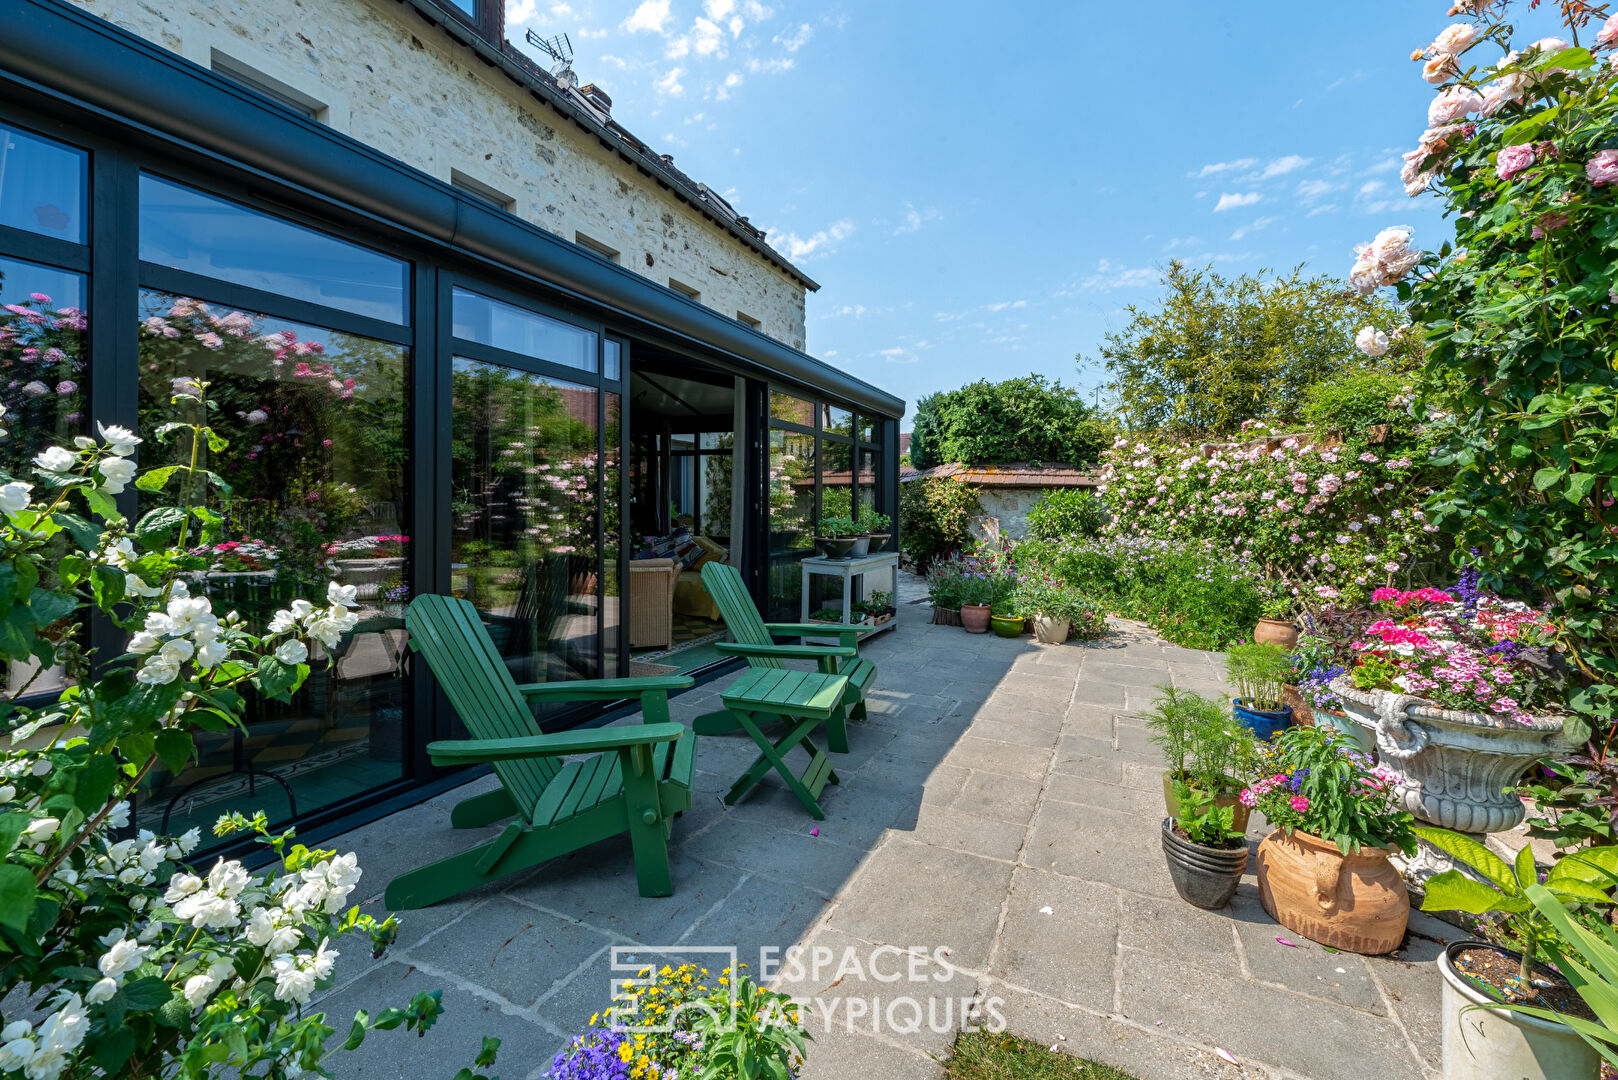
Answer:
[(597, 97)]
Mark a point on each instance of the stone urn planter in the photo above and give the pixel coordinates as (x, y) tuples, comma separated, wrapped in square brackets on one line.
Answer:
[(1488, 1044), (1050, 631), (1354, 902), (1458, 767), (1204, 876)]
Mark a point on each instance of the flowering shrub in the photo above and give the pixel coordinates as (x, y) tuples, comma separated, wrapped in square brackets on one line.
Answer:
[(236, 556), (389, 546), (1315, 779), (986, 578), (1518, 320), (42, 357), (123, 961), (934, 515), (678, 1026), (1329, 522), (1040, 593)]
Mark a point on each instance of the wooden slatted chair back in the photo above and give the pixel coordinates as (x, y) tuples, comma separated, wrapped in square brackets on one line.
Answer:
[(448, 633), (729, 592)]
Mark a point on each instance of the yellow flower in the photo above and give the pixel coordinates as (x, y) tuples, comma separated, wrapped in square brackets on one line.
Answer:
[(624, 1052)]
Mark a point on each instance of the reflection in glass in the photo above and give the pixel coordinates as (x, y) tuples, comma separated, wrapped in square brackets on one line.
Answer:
[(792, 508), (612, 530), (612, 360), (525, 490), (42, 185), (43, 369), (837, 421), (792, 410), (505, 326), (316, 468), (187, 230), (865, 427)]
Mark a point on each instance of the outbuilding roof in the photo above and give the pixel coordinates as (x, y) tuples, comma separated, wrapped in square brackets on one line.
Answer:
[(1016, 475)]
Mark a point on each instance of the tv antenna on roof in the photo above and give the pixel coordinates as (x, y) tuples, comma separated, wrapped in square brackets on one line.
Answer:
[(559, 49)]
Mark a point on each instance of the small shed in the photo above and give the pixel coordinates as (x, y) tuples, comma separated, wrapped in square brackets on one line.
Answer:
[(1007, 492)]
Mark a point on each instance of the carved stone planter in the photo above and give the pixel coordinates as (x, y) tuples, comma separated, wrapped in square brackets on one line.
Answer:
[(1458, 767)]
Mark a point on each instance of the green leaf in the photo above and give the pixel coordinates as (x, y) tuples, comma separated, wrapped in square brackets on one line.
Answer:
[(174, 749), (114, 1049), (93, 783), (153, 529), (17, 893), (100, 503), (356, 1033), (1472, 853), (156, 479), (1597, 866), (491, 1047), (11, 827), (107, 583), (138, 746), (49, 606), (276, 679), (1524, 868), (17, 633), (1454, 891), (1547, 476), (85, 533), (147, 994)]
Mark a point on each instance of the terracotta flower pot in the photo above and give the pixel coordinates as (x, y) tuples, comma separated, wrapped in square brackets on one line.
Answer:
[(975, 618), (1355, 902), (1276, 632), (1238, 820)]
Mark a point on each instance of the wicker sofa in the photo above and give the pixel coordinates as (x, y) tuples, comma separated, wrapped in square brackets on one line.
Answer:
[(651, 602)]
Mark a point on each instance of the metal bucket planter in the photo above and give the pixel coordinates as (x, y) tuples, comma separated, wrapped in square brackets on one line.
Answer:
[(1458, 767), (1488, 1044)]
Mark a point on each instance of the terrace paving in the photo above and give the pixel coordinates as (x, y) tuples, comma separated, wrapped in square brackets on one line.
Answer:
[(1002, 803)]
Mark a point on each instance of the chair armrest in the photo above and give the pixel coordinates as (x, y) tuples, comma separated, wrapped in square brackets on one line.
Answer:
[(785, 652), (785, 629), (604, 689), (561, 744)]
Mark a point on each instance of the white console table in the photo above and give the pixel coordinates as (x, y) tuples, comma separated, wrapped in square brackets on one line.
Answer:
[(848, 570)]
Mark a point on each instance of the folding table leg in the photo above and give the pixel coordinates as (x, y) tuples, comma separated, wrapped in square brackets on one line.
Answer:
[(818, 773)]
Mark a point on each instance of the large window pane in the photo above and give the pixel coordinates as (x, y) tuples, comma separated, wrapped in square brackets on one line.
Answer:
[(42, 185), (505, 326), (837, 421), (43, 367), (612, 360), (792, 508), (792, 410), (523, 517), (316, 463), (612, 529), (188, 230)]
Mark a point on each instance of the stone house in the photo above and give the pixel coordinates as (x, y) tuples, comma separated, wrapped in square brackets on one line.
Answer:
[(1007, 492)]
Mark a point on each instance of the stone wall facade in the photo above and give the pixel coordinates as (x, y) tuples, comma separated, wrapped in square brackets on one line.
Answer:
[(1009, 507), (385, 77)]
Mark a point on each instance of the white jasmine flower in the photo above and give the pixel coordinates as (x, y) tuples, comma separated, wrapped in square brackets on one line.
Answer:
[(56, 459), (341, 595), (120, 440), (103, 990), (15, 497), (292, 652), (40, 830), (118, 472)]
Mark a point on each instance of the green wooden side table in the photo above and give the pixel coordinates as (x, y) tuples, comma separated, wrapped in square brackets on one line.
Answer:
[(805, 700)]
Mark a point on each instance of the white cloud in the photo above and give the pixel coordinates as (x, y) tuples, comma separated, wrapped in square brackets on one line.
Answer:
[(1282, 165), (1004, 304), (670, 84), (519, 11), (586, 32), (797, 39), (718, 9), (855, 310), (1329, 208), (649, 17), (732, 81), (1260, 223), (1228, 201), (1371, 187), (561, 11), (796, 247), (1111, 275), (898, 355), (1182, 241), (914, 219), (770, 67), (1314, 189), (1239, 164), (829, 353), (757, 12)]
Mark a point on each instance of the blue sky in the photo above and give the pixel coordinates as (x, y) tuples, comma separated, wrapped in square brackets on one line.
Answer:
[(981, 190)]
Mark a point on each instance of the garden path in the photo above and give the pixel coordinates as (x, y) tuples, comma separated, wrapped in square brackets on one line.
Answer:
[(1002, 803)]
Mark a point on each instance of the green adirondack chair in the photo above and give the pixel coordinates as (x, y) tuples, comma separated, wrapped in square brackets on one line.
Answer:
[(637, 781), (755, 639)]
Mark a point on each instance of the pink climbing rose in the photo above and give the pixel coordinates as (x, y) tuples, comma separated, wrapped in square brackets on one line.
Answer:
[(1602, 169), (1513, 160)]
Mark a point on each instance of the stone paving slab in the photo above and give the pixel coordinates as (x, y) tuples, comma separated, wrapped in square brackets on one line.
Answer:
[(996, 828)]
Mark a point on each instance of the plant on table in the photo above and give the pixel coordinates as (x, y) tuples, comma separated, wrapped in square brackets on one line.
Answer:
[(838, 528), (871, 523), (119, 959), (1317, 780), (826, 614), (1498, 890), (1258, 671), (673, 1023)]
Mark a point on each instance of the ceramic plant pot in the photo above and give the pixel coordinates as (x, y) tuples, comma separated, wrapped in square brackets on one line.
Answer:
[(1276, 632), (1355, 902), (1263, 723), (1007, 625), (1204, 876), (975, 618), (1458, 768), (836, 549), (861, 548), (878, 541), (1238, 820), (1489, 1044), (1050, 631)]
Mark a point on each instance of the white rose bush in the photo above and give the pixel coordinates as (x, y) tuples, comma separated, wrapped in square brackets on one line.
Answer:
[(119, 959)]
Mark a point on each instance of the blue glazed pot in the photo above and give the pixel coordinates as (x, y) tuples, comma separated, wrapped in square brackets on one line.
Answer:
[(1264, 725)]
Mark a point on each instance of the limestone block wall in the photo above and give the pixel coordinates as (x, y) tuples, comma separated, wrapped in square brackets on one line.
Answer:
[(383, 76)]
